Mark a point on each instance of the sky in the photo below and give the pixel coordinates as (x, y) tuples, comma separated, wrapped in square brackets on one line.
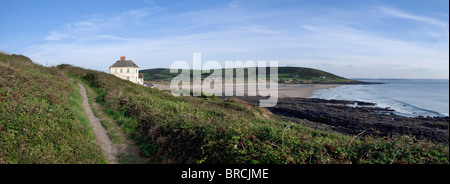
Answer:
[(351, 38)]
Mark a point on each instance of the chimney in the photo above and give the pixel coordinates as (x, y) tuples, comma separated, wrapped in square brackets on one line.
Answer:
[(122, 58)]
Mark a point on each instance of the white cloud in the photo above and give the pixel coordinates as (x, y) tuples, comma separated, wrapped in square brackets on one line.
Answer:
[(135, 15), (309, 28), (90, 25), (243, 35), (100, 27), (234, 4), (400, 14), (54, 36), (109, 37)]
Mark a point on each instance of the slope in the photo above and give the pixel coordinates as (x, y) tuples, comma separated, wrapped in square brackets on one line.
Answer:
[(41, 118)]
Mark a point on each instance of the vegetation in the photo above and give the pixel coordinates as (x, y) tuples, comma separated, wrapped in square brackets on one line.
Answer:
[(199, 130), (112, 134), (42, 121), (41, 117), (111, 128), (295, 75)]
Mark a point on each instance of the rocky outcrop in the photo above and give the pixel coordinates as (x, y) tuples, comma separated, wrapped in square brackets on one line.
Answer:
[(352, 117)]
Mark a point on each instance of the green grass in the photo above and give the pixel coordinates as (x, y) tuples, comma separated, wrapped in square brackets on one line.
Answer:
[(112, 134), (127, 124), (41, 117), (169, 129), (132, 159), (106, 124)]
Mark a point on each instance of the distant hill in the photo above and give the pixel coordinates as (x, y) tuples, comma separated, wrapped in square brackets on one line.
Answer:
[(293, 75)]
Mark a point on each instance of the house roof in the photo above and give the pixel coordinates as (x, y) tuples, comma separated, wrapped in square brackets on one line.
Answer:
[(124, 63)]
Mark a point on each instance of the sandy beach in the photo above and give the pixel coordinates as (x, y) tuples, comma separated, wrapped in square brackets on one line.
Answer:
[(284, 90), (301, 90)]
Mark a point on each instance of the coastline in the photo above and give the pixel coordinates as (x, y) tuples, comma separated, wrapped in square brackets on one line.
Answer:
[(301, 90), (284, 90), (338, 116)]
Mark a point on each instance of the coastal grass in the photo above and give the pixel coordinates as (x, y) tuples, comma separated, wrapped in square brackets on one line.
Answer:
[(112, 134), (105, 123), (41, 119), (200, 130)]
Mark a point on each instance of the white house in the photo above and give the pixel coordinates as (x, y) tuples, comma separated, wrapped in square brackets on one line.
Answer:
[(126, 69)]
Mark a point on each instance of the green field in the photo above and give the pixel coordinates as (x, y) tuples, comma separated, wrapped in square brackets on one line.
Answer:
[(294, 75)]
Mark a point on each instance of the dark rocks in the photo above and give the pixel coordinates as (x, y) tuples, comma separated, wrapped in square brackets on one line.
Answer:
[(342, 116), (365, 103)]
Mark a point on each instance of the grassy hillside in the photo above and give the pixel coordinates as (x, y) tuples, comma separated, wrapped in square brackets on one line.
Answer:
[(285, 74), (41, 118), (41, 121), (309, 75), (206, 130)]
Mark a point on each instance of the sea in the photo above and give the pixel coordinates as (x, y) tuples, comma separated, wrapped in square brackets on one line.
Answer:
[(408, 97)]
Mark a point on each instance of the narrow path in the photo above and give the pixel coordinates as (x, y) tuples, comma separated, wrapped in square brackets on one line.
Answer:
[(109, 148), (127, 150)]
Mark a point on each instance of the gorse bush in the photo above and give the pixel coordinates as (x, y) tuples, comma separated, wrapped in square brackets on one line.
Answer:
[(172, 129), (41, 118)]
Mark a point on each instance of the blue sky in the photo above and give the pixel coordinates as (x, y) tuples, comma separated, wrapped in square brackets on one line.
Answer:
[(355, 39)]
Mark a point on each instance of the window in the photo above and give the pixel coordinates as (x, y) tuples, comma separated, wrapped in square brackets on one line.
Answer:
[(136, 71), (120, 70), (128, 78), (115, 70), (128, 70)]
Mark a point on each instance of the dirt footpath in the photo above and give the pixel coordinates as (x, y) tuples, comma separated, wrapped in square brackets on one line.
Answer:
[(109, 148)]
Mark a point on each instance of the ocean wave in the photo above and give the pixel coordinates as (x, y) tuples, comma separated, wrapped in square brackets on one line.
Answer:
[(412, 102)]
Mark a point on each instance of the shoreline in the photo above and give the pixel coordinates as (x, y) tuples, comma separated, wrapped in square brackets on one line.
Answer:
[(301, 90), (294, 104), (284, 90), (338, 116)]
